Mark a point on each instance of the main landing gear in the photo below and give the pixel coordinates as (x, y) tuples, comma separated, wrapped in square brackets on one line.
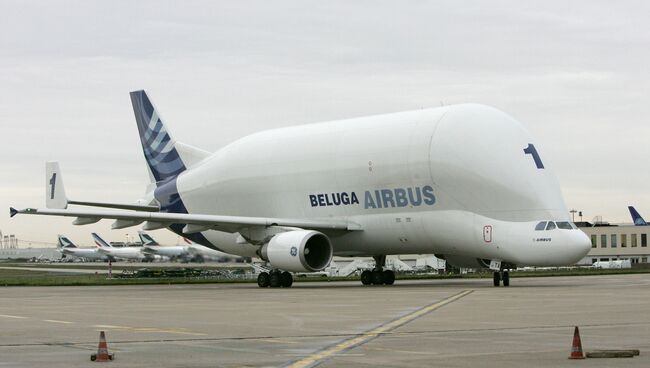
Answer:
[(499, 276), (274, 279), (378, 276)]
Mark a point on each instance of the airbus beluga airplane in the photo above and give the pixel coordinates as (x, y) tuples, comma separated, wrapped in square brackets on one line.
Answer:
[(464, 182)]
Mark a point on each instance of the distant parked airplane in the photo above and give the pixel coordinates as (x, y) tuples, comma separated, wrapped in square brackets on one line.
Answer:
[(636, 217), (68, 248), (131, 253)]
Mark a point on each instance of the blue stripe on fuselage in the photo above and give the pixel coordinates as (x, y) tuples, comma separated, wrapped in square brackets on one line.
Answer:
[(167, 195)]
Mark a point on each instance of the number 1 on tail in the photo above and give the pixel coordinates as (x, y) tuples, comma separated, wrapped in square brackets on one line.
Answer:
[(52, 185)]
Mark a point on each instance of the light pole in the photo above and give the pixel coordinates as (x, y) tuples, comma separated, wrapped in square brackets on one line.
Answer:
[(573, 215)]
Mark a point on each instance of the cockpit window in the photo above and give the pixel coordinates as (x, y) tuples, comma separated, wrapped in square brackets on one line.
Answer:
[(564, 225), (541, 226), (550, 226)]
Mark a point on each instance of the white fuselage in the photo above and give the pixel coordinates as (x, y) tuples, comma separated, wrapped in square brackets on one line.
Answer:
[(480, 194), (87, 253), (166, 251), (205, 252), (124, 252)]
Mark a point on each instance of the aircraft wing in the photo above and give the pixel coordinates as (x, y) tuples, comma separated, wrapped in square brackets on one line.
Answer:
[(193, 222)]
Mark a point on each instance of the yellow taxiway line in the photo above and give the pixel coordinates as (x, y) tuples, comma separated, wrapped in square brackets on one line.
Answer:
[(363, 338)]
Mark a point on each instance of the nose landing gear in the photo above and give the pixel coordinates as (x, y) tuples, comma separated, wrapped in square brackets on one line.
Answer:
[(500, 276)]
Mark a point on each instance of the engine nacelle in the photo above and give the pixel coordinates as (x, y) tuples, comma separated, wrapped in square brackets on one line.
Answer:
[(298, 251)]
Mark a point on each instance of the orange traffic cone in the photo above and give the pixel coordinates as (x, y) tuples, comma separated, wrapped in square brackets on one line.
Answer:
[(102, 350), (576, 349)]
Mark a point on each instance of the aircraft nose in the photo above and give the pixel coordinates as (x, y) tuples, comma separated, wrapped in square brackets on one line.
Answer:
[(580, 244)]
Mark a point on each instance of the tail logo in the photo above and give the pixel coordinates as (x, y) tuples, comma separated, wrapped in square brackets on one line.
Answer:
[(157, 143)]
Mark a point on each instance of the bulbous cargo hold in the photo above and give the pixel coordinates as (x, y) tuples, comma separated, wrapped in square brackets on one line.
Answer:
[(425, 181)]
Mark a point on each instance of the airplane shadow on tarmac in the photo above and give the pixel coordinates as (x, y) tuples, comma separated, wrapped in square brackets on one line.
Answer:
[(434, 284)]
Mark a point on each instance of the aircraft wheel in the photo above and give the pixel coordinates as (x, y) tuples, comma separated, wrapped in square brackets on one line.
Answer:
[(506, 278), (496, 278), (389, 277), (366, 277), (263, 279), (275, 280), (286, 279), (377, 277)]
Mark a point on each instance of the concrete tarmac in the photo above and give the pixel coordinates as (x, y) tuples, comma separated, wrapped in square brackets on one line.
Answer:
[(445, 323)]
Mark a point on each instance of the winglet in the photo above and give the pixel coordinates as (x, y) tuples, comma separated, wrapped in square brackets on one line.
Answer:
[(636, 217), (12, 212), (54, 191)]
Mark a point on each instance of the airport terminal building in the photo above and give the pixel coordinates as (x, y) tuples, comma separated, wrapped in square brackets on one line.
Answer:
[(616, 242)]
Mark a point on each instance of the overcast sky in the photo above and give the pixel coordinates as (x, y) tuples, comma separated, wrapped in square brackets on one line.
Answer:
[(575, 72)]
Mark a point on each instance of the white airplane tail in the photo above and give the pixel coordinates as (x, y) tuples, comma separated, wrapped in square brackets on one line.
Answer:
[(64, 242), (54, 191), (101, 243), (147, 240)]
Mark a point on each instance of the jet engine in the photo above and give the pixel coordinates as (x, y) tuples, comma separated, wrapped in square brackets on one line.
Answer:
[(298, 251)]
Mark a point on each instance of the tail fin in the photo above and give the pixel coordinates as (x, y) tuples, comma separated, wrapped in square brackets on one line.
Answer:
[(64, 242), (100, 242), (157, 144), (147, 239), (638, 220), (54, 191)]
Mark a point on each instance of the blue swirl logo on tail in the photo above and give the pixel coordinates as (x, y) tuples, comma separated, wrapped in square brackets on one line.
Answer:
[(157, 144)]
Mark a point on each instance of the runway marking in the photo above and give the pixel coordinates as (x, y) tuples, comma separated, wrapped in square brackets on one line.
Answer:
[(179, 331), (57, 321), (404, 351), (318, 357), (280, 341), (10, 316)]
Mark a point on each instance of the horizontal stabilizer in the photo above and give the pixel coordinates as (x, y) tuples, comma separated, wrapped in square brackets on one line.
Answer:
[(56, 198), (119, 206)]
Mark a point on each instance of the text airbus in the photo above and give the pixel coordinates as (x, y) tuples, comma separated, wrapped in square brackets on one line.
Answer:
[(379, 198)]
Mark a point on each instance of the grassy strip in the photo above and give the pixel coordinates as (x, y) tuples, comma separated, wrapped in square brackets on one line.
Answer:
[(119, 267), (44, 278)]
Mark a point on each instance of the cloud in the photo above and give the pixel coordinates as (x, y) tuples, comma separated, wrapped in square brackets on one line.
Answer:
[(575, 72)]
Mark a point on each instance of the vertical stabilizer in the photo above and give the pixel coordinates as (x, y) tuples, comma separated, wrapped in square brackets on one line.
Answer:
[(64, 242), (54, 191), (101, 243), (146, 239), (636, 217), (157, 144)]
